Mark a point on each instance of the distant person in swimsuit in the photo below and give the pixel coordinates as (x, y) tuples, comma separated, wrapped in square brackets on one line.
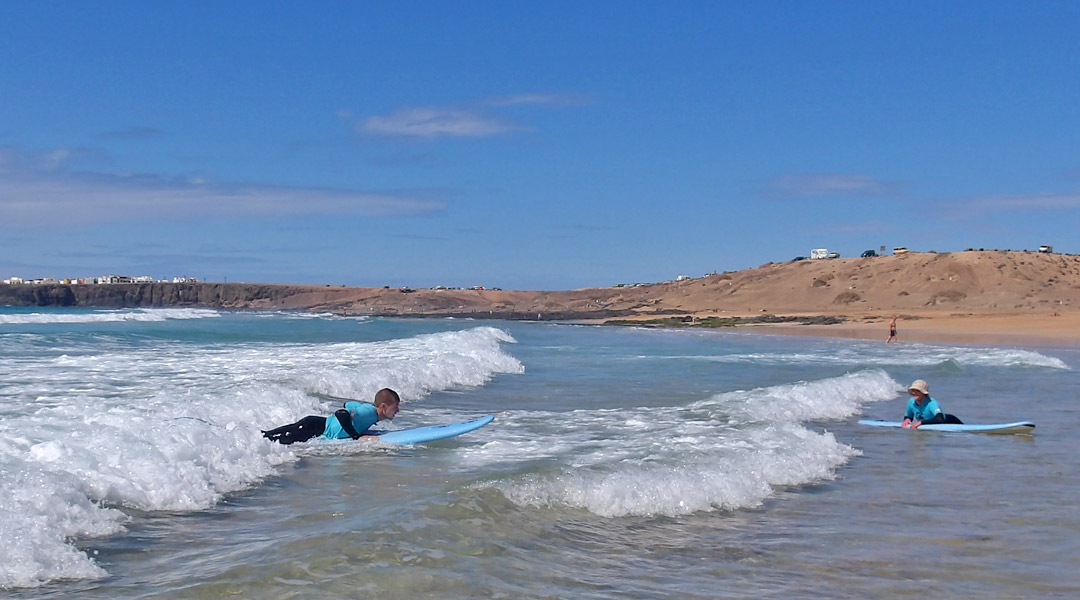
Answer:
[(892, 331), (349, 422), (922, 409)]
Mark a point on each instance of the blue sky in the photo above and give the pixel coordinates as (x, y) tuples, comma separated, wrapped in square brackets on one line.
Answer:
[(547, 145)]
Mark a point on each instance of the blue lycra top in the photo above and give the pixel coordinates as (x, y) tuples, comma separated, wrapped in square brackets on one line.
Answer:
[(363, 415), (923, 412)]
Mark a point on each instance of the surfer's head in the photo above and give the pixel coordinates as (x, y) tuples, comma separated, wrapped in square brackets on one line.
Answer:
[(386, 403), (919, 389)]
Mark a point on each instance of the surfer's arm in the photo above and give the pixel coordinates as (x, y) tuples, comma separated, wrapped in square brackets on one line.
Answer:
[(938, 418), (345, 418), (933, 408)]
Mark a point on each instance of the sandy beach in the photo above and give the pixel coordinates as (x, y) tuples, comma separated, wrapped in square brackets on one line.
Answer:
[(1025, 329)]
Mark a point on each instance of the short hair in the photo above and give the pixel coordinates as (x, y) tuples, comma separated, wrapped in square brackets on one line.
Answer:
[(386, 396)]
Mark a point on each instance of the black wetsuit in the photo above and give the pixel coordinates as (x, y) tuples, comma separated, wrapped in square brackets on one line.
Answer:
[(309, 427), (300, 431)]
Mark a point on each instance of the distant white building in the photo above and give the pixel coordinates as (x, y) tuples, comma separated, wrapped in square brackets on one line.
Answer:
[(185, 280)]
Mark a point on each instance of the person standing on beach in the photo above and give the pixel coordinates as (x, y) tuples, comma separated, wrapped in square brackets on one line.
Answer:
[(349, 422), (892, 331)]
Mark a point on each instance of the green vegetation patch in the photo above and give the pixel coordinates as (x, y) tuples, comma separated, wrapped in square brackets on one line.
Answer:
[(847, 298), (946, 296)]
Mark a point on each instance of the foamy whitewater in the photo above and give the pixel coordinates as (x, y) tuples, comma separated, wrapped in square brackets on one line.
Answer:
[(622, 462)]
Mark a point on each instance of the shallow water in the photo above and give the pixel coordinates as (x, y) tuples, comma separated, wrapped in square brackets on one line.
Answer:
[(623, 463)]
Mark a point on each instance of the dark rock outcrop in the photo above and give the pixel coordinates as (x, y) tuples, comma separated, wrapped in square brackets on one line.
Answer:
[(149, 295)]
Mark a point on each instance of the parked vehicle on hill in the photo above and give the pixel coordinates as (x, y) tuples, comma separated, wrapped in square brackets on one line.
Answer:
[(819, 253), (1046, 249), (833, 255), (869, 254), (899, 250)]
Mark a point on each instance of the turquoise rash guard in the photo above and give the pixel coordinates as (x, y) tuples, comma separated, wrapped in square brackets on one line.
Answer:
[(927, 411), (363, 416)]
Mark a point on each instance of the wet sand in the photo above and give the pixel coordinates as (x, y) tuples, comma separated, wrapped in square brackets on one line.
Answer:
[(971, 328)]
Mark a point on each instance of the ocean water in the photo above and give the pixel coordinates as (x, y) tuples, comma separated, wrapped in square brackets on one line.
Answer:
[(622, 463)]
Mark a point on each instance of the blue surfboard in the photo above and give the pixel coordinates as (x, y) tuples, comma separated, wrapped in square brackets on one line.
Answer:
[(1016, 427), (419, 435)]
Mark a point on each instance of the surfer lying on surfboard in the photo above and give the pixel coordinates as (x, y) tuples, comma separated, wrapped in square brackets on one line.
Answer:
[(349, 422), (922, 409)]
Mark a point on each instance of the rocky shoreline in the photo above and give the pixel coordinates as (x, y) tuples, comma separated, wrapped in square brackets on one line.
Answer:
[(147, 295), (378, 302)]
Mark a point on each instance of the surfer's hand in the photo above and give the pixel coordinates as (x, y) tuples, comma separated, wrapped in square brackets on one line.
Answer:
[(915, 424), (906, 423)]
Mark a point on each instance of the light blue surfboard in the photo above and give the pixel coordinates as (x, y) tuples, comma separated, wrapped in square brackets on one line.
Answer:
[(419, 435), (1017, 427)]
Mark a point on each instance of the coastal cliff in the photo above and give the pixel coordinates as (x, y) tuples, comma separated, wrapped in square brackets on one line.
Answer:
[(153, 295)]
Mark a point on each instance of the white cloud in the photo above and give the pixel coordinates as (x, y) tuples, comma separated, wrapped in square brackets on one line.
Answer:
[(1045, 201), (133, 133), (966, 208), (867, 227), (433, 121), (14, 160), (538, 99), (39, 191), (827, 184), (473, 119)]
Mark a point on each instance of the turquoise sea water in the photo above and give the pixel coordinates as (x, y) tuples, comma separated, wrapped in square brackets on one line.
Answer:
[(623, 463)]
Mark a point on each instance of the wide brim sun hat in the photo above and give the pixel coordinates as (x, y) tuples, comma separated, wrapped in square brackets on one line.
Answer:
[(919, 385)]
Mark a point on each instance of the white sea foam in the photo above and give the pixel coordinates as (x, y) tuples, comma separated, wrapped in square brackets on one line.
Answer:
[(907, 355), (174, 427), (108, 316), (736, 472), (990, 357), (464, 358), (724, 452), (825, 399)]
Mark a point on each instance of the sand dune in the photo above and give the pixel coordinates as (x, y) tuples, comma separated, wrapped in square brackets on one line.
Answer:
[(996, 281), (971, 296)]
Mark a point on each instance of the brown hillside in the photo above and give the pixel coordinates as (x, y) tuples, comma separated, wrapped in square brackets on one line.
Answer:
[(956, 281), (999, 282)]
